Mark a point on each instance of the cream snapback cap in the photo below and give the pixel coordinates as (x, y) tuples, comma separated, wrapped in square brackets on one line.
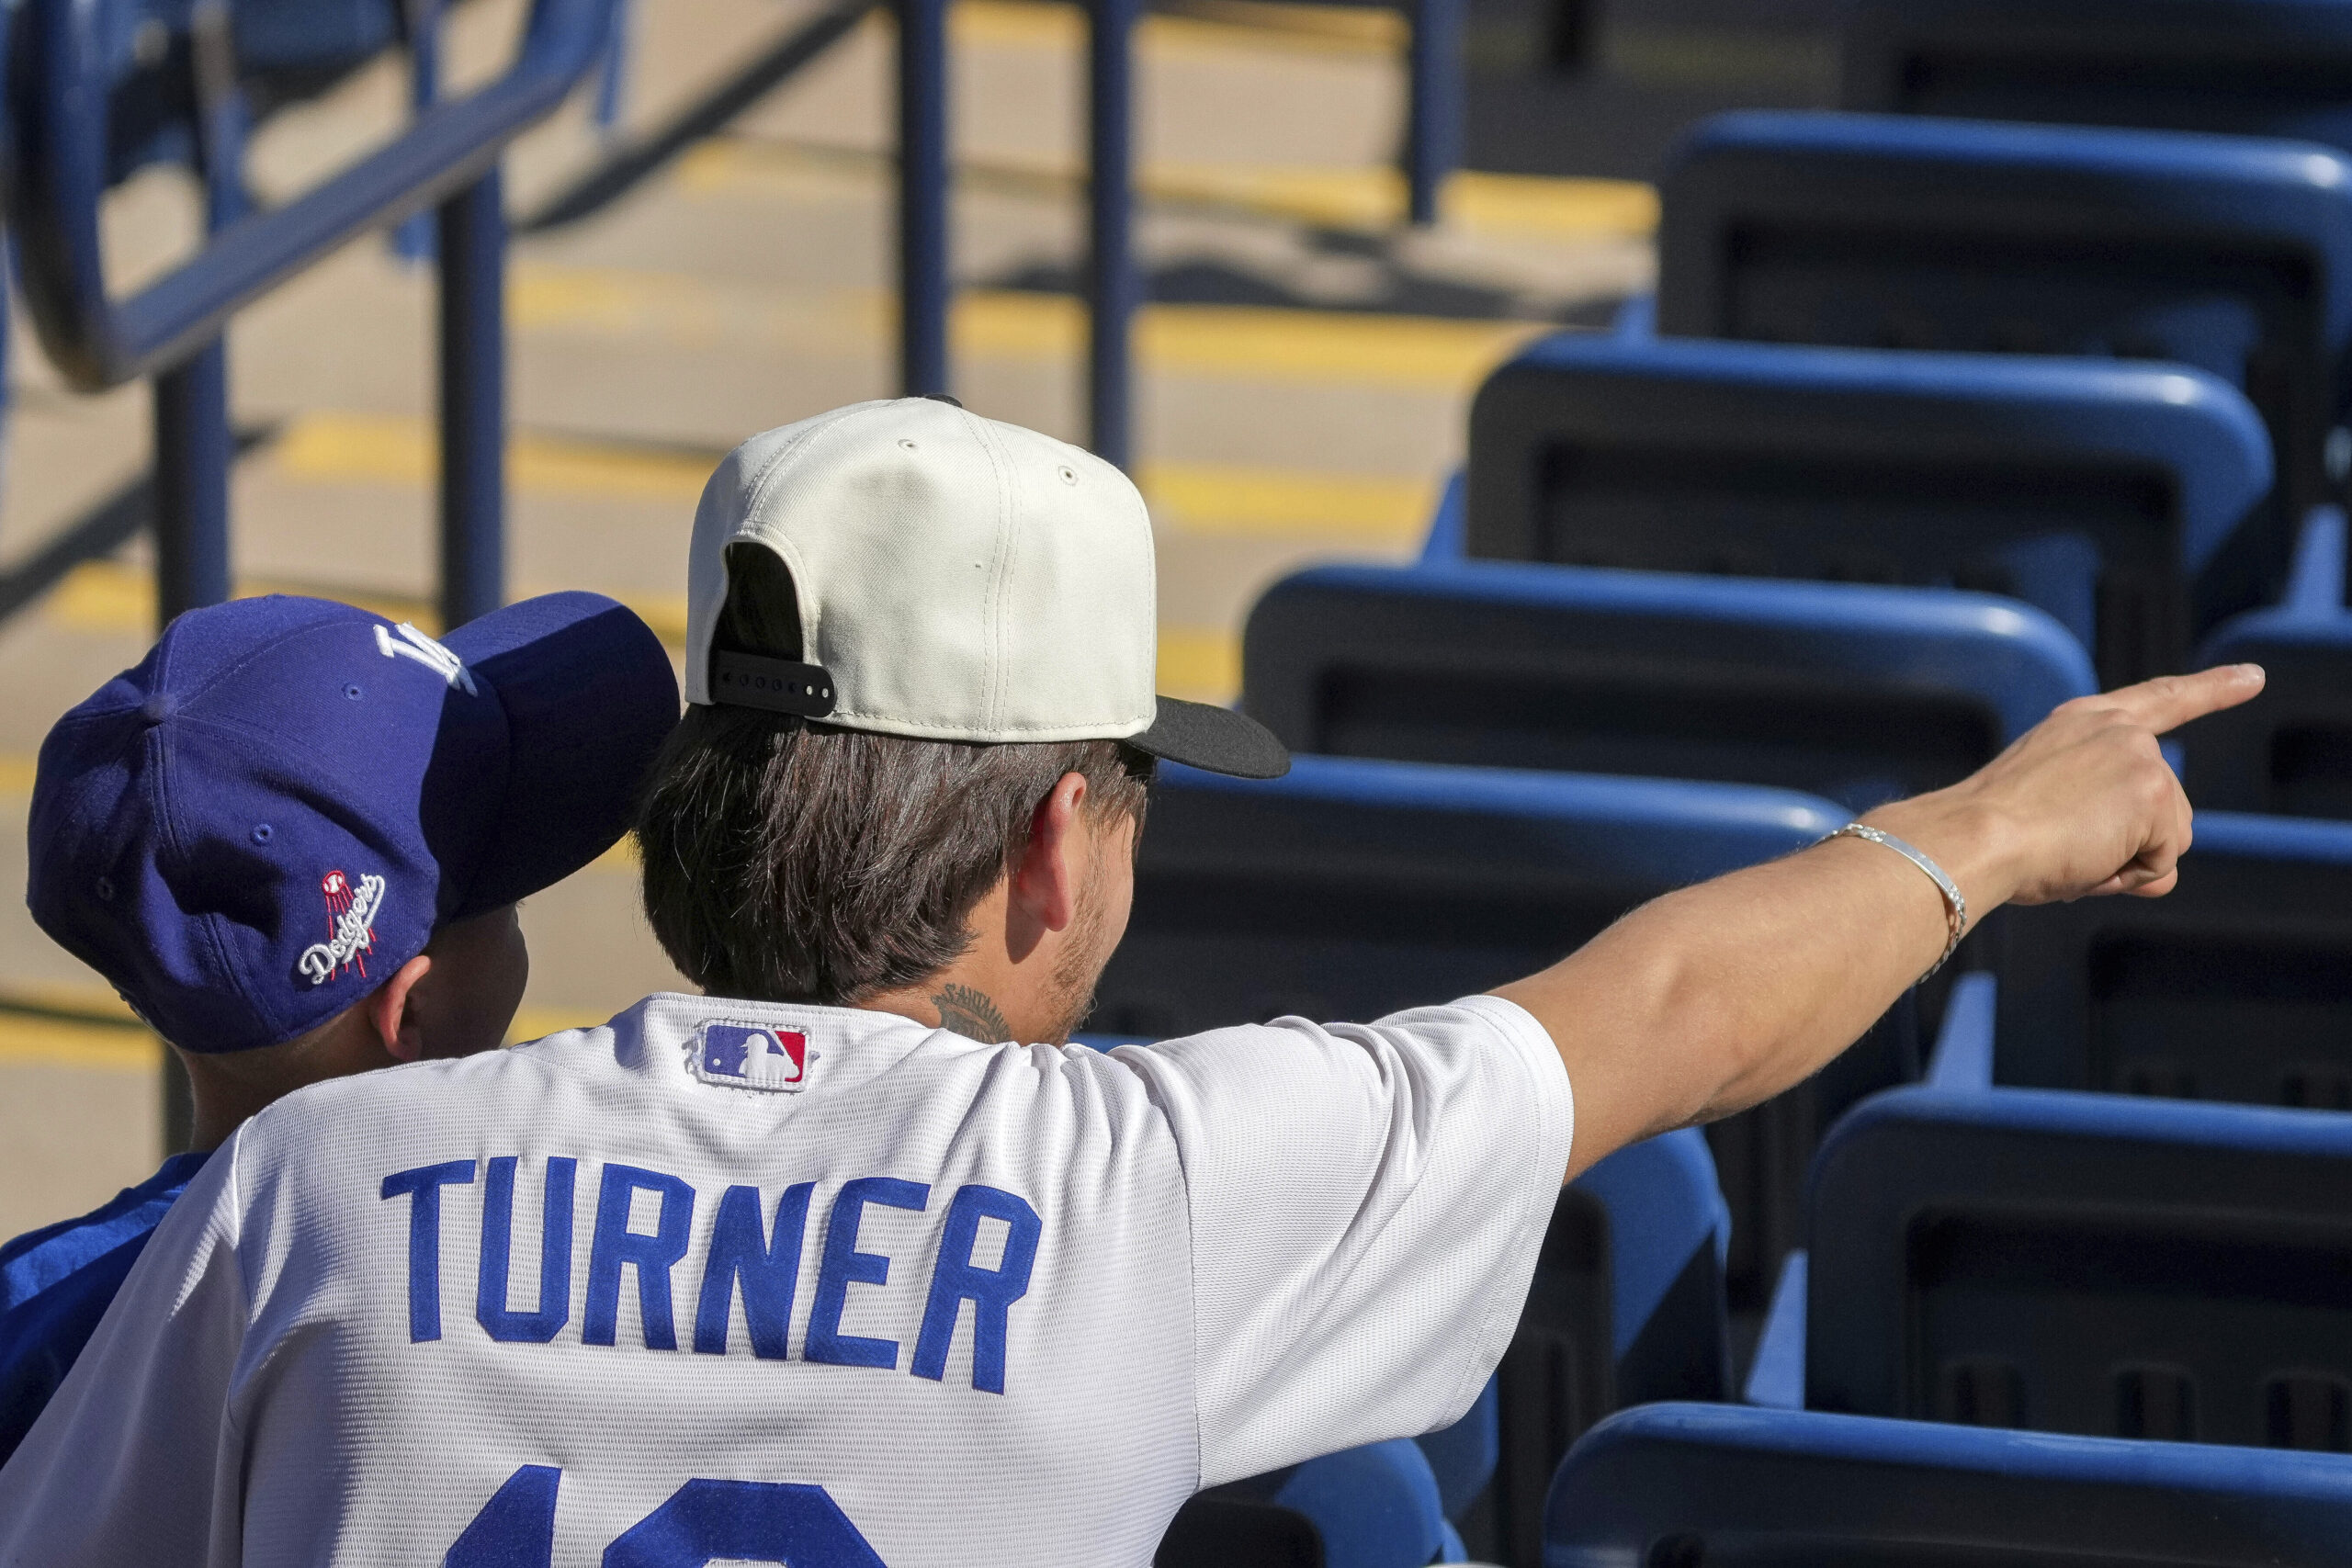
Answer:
[(956, 579)]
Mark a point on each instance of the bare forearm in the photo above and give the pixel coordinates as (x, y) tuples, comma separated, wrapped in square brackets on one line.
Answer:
[(1709, 999), (1712, 999)]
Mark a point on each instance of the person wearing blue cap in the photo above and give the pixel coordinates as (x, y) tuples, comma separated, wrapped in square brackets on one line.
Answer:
[(293, 838)]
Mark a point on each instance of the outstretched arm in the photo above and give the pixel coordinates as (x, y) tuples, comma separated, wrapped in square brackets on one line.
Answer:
[(1709, 999)]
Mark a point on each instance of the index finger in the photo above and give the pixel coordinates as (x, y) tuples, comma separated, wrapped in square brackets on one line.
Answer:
[(2170, 701)]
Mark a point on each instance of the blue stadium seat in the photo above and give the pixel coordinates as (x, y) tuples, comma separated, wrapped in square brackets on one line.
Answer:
[(1627, 1306), (2085, 1263), (1444, 540), (1698, 1486), (2107, 495), (2290, 751), (1375, 1507), (1857, 694), (1962, 1061), (2238, 67), (2237, 987), (1885, 230)]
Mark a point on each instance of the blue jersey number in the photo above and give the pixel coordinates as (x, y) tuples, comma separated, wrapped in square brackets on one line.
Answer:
[(704, 1521)]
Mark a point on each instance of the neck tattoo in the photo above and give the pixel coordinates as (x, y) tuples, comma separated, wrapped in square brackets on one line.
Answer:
[(968, 1011)]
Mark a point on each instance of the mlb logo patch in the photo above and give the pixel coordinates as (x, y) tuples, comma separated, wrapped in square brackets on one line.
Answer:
[(752, 1056)]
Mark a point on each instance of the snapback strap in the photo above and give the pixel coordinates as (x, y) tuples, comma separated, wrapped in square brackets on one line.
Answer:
[(779, 685)]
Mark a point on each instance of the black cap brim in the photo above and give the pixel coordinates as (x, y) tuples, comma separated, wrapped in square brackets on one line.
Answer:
[(589, 697), (1217, 739)]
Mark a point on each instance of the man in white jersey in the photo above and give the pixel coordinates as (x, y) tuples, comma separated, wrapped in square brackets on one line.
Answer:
[(826, 1266)]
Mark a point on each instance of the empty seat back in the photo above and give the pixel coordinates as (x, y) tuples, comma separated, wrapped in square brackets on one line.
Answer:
[(2085, 1263), (2232, 254), (1626, 1307), (2106, 496), (2239, 67), (2289, 749), (1860, 694), (1697, 1486), (2237, 986)]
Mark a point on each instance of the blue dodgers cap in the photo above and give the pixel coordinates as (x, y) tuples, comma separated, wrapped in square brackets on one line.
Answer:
[(280, 803)]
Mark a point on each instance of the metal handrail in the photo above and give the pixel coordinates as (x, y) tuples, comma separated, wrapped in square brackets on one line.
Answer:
[(60, 121), (1114, 285)]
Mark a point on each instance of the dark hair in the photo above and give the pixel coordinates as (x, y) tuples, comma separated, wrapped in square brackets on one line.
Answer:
[(787, 860)]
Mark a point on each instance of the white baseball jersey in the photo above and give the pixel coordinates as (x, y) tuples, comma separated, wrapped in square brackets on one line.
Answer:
[(734, 1282)]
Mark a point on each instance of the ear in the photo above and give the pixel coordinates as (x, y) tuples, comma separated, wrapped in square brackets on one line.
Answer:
[(1046, 879), (395, 1020)]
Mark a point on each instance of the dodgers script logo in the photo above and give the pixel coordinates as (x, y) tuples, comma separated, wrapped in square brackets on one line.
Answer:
[(750, 1055), (351, 928)]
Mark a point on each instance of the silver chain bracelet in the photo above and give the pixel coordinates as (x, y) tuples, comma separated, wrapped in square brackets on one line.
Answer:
[(1954, 903)]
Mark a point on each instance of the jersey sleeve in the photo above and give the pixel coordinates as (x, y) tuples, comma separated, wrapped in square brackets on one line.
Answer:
[(135, 1459), (1366, 1202)]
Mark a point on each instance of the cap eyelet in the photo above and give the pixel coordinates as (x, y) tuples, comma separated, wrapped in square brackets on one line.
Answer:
[(1068, 474), (907, 444), (106, 889), (352, 691), (263, 832)]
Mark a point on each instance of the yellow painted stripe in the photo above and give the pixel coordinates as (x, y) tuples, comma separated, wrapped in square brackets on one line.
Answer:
[(539, 1022), (1527, 204), (400, 449), (622, 857), (1498, 206), (1199, 664), (1494, 205), (1310, 346), (1243, 343), (1248, 341), (1227, 28), (1194, 498), (1202, 498), (61, 1042), (105, 596), (96, 1004), (1370, 27), (16, 775)]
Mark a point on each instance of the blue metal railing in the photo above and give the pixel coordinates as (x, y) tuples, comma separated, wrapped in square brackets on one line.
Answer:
[(1115, 287), (444, 165), (1434, 94), (923, 185), (171, 329)]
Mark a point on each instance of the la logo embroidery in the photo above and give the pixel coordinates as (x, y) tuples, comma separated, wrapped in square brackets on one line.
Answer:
[(752, 1056), (351, 928), (414, 644)]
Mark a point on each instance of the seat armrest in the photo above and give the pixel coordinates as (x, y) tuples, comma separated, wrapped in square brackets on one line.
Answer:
[(1777, 1379), (2316, 582), (1964, 1052), (1447, 525)]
